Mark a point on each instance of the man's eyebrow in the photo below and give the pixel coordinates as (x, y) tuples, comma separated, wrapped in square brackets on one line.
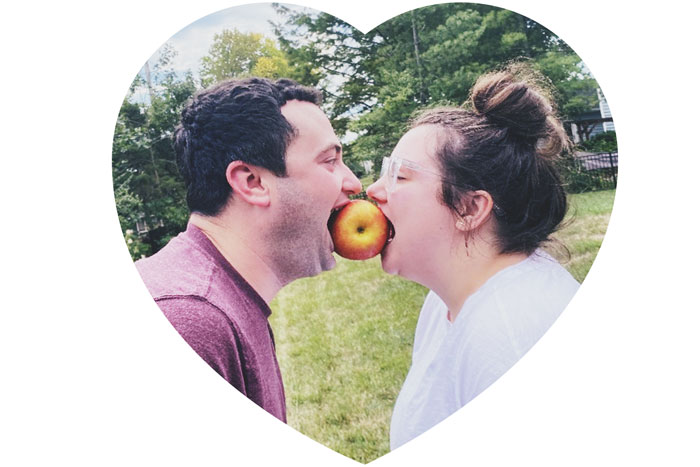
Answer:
[(335, 147)]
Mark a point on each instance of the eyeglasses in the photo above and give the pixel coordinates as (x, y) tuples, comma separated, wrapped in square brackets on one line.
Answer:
[(392, 165)]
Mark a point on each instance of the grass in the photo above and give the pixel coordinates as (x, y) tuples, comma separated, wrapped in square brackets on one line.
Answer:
[(583, 232), (344, 338), (344, 344)]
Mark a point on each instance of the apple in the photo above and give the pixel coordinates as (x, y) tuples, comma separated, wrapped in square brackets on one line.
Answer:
[(359, 230)]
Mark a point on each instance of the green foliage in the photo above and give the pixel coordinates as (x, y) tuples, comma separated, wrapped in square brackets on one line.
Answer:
[(137, 247), (579, 180), (576, 89), (147, 184), (428, 56), (355, 166), (129, 207), (130, 210), (584, 228), (602, 142), (235, 54), (372, 84)]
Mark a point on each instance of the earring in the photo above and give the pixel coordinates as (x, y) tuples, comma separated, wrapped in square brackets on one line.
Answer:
[(461, 224)]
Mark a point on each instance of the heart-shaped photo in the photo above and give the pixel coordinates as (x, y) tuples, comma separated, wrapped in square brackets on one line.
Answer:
[(362, 231)]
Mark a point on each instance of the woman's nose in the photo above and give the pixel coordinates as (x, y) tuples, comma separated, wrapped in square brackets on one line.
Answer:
[(377, 191)]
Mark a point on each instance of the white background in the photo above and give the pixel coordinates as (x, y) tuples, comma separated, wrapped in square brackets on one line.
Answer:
[(94, 375)]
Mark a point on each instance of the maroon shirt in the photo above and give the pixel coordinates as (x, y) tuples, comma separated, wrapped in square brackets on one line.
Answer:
[(219, 314)]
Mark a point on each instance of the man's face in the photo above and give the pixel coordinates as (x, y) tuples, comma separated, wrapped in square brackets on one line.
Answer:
[(317, 182)]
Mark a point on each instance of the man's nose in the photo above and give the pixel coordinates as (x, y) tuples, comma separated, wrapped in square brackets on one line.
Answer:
[(351, 184)]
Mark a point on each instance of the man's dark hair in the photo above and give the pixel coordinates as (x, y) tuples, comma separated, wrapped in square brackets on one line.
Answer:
[(230, 121)]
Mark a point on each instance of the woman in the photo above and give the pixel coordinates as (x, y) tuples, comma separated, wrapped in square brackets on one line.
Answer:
[(473, 194)]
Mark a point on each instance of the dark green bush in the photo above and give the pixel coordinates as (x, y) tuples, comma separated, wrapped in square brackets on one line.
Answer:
[(602, 142), (577, 179)]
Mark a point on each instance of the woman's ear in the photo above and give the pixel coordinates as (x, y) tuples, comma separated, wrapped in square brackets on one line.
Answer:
[(476, 209), (248, 183)]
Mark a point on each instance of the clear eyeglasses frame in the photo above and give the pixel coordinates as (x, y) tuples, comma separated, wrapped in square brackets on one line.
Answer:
[(392, 165)]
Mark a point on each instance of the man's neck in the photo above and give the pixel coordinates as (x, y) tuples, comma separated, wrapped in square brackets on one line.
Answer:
[(242, 252)]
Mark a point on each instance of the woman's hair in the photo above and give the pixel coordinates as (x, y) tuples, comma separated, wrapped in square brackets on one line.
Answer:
[(505, 141)]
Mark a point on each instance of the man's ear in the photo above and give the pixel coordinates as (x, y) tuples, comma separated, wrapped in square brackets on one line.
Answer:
[(247, 183), (476, 206)]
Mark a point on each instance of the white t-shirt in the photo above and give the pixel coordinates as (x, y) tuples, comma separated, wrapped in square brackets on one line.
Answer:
[(453, 362)]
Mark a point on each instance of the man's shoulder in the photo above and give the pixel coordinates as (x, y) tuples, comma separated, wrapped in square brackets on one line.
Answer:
[(195, 317), (190, 270), (178, 269)]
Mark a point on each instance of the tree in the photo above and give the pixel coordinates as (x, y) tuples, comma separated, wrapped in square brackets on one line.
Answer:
[(149, 190), (373, 82), (235, 55), (148, 187), (130, 210)]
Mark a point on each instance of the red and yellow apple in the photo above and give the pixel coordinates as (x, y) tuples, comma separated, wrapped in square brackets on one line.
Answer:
[(359, 230)]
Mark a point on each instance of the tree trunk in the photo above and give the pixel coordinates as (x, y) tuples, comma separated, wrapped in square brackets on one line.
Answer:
[(418, 62), (151, 93), (149, 83), (155, 167)]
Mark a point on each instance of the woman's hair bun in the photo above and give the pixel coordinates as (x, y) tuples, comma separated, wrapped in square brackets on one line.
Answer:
[(519, 99)]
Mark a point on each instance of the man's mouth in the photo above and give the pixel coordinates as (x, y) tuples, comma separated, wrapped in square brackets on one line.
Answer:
[(333, 215), (329, 224)]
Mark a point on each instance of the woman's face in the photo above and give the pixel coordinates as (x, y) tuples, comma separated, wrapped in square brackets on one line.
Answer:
[(424, 227)]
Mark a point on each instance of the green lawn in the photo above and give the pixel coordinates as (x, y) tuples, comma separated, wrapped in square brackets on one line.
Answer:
[(583, 232), (344, 338)]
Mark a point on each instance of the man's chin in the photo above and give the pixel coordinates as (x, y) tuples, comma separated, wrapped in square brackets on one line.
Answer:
[(328, 263), (325, 262)]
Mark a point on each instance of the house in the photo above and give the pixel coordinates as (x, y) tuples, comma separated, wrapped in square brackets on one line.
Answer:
[(143, 227), (591, 123)]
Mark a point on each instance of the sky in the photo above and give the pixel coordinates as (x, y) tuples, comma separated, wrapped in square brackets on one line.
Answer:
[(193, 41)]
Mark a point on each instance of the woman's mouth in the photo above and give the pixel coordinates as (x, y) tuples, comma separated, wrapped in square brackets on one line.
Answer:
[(392, 231)]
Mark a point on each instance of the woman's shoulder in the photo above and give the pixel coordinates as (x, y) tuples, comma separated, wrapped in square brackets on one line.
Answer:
[(432, 301), (433, 310), (549, 274), (540, 272), (532, 293)]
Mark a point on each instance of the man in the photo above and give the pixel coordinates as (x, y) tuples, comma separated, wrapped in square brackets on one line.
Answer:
[(264, 170)]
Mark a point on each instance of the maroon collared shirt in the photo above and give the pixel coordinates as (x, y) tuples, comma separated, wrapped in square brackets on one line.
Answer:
[(219, 315)]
